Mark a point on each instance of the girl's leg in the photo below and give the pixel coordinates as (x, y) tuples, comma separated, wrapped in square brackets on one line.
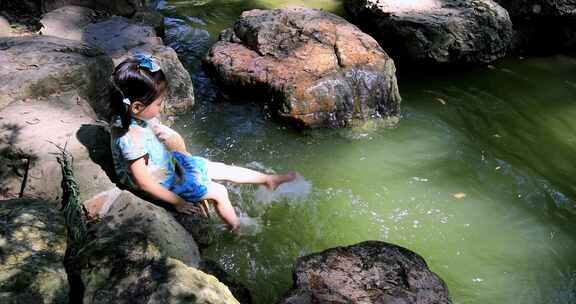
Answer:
[(218, 194), (239, 175)]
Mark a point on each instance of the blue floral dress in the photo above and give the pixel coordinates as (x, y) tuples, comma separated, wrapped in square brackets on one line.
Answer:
[(184, 175)]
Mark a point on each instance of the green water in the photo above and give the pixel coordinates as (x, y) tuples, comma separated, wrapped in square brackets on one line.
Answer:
[(503, 135)]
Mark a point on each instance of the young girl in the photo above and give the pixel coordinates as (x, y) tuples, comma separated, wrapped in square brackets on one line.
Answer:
[(141, 148)]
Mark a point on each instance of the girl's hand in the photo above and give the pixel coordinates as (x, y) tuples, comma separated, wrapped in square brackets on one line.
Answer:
[(185, 208)]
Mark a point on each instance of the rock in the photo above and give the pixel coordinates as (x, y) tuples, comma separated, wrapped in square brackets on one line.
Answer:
[(436, 31), (32, 130), (151, 18), (315, 68), (123, 212), (67, 22), (32, 248), (114, 7), (128, 268), (368, 272), (239, 291), (50, 87), (121, 37), (4, 27), (542, 26), (37, 66)]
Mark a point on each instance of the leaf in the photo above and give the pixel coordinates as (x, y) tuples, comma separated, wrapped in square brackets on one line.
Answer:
[(460, 195)]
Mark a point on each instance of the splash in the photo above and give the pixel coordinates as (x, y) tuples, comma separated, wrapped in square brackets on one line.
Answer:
[(297, 190)]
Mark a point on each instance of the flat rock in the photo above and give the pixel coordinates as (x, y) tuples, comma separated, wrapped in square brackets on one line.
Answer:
[(67, 22), (436, 31), (33, 244), (114, 7), (368, 272), (313, 68), (39, 66)]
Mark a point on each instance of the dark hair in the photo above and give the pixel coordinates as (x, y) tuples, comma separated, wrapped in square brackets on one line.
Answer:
[(136, 83)]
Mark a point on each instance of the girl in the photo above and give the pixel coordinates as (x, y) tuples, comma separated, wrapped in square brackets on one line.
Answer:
[(140, 148)]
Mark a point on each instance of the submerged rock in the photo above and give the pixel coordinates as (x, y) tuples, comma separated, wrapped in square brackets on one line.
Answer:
[(368, 272), (32, 248), (436, 31), (315, 68)]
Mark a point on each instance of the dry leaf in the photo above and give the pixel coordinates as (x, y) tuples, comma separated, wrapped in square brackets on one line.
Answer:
[(460, 195), (442, 101)]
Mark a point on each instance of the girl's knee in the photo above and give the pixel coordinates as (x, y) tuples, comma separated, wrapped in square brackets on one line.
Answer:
[(216, 191)]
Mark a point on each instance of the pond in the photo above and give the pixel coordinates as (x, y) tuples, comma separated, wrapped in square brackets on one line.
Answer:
[(477, 177)]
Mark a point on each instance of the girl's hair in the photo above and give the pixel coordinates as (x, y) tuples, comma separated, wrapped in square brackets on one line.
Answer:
[(136, 80)]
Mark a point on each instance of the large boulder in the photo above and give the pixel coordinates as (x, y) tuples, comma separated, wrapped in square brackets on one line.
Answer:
[(120, 37), (128, 268), (32, 248), (436, 31), (368, 272), (67, 22), (114, 7), (50, 87), (120, 212), (314, 68), (542, 26), (39, 66)]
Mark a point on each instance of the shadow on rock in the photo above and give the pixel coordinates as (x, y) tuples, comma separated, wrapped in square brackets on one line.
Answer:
[(14, 162), (96, 139)]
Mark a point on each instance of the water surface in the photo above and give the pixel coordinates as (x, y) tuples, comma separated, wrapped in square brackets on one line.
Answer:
[(477, 177)]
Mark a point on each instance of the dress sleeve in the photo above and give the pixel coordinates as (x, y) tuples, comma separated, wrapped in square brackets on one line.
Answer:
[(131, 147)]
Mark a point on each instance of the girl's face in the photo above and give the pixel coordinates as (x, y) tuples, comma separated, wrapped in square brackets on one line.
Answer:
[(148, 112)]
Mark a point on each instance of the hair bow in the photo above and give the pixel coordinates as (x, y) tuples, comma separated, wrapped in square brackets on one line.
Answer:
[(146, 62)]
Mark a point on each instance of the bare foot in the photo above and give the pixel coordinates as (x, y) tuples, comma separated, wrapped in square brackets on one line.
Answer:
[(274, 181)]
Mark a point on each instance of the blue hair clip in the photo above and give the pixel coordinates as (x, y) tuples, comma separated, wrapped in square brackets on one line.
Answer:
[(146, 62)]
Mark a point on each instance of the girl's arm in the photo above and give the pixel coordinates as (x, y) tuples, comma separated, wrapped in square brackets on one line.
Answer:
[(144, 181)]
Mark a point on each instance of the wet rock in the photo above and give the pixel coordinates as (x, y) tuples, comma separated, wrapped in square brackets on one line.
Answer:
[(32, 248), (151, 18), (542, 26), (436, 31), (128, 268), (120, 37), (315, 68), (240, 292), (121, 212), (37, 66), (368, 272), (114, 7)]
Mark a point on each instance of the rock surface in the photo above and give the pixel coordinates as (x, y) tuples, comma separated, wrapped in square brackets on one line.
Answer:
[(121, 212), (67, 22), (114, 7), (316, 69), (50, 87), (436, 31), (121, 37), (542, 26), (128, 268), (38, 66), (32, 248), (368, 272)]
